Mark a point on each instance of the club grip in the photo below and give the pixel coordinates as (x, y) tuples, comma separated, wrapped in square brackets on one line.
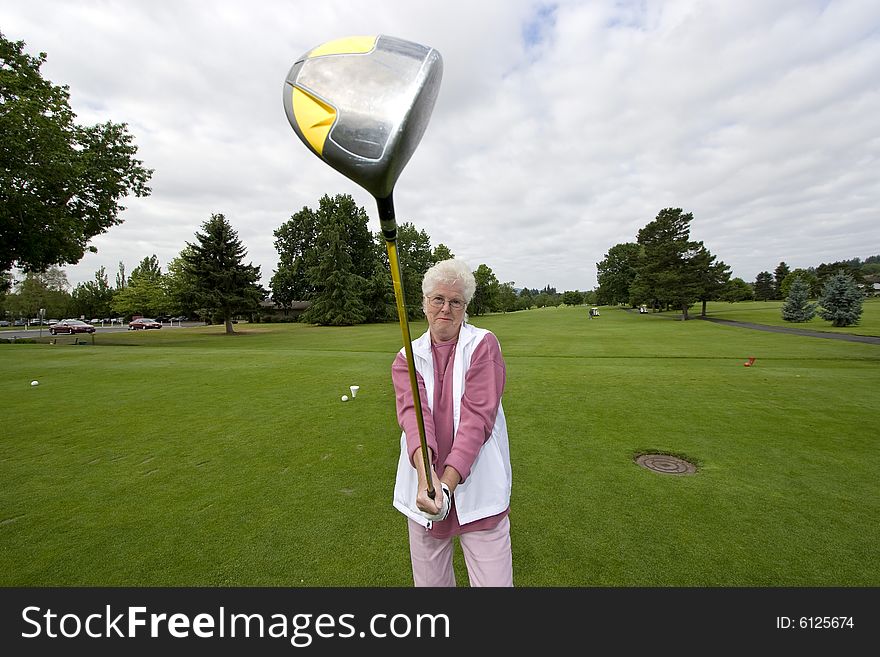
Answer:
[(387, 221)]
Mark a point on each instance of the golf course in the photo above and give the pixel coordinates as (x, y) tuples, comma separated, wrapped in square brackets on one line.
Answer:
[(187, 457)]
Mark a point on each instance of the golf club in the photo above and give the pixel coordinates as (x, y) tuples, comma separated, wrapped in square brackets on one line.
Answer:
[(362, 104)]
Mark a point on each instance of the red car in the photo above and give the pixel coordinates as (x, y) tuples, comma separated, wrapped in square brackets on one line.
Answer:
[(143, 323), (70, 326)]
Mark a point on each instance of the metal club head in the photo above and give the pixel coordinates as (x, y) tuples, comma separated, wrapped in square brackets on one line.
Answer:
[(362, 104)]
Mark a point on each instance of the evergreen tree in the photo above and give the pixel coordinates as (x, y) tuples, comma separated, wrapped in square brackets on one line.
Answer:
[(782, 270), (675, 271), (841, 300), (617, 271), (225, 286), (378, 296), (713, 276), (797, 307), (764, 286), (302, 272), (337, 299), (826, 270)]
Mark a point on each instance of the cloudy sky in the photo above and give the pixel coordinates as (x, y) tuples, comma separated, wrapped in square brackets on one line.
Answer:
[(561, 128)]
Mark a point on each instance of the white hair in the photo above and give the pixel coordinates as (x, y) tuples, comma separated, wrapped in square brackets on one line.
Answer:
[(450, 272)]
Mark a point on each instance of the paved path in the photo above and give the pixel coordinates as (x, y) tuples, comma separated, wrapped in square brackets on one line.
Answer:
[(869, 339)]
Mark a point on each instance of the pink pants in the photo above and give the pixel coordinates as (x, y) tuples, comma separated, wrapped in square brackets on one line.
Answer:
[(486, 554)]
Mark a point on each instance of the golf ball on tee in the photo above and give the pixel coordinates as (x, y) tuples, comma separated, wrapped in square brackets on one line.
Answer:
[(344, 397), (35, 383)]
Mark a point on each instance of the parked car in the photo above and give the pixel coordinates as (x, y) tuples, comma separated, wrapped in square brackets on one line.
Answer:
[(70, 326), (143, 323), (3, 322)]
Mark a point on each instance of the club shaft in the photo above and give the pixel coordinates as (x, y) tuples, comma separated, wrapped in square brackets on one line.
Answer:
[(394, 262)]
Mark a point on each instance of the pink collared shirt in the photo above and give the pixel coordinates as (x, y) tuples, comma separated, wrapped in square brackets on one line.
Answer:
[(483, 386)]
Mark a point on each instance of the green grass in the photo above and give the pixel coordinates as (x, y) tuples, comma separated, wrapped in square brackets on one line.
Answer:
[(770, 312), (187, 457)]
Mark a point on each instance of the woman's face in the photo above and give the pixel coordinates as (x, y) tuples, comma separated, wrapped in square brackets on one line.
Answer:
[(444, 320)]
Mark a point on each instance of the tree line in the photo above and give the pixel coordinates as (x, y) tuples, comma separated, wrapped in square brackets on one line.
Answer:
[(778, 285), (208, 280), (665, 269), (329, 258)]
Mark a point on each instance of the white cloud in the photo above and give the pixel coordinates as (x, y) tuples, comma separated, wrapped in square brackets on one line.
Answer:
[(560, 130)]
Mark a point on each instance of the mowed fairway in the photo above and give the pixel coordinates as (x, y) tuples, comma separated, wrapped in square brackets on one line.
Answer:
[(186, 457)]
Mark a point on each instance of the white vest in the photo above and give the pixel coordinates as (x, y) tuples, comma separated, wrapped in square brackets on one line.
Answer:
[(486, 491)]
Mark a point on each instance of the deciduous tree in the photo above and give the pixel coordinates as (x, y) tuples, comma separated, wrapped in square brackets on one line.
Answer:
[(486, 293), (807, 275), (737, 290), (60, 183), (617, 271), (181, 286), (40, 290), (416, 257), (441, 252), (92, 299), (507, 299), (144, 293)]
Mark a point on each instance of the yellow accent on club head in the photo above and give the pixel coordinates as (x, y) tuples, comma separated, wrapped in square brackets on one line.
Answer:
[(314, 118), (346, 46)]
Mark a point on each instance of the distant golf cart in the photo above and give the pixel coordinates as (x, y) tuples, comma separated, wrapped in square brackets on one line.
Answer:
[(594, 312), (643, 309)]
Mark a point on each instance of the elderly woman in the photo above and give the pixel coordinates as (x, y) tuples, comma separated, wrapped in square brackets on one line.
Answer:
[(461, 377)]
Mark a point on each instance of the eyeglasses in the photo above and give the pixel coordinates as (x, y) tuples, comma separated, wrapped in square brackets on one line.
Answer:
[(439, 302)]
